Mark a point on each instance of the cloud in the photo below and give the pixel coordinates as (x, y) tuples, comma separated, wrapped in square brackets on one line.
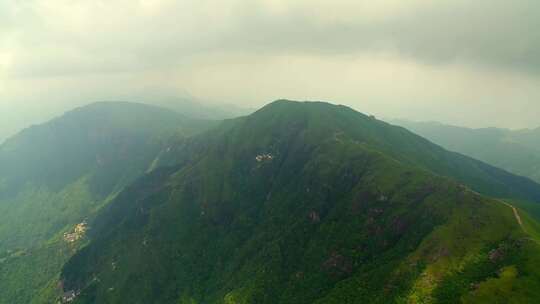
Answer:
[(498, 33), (403, 58), (121, 35)]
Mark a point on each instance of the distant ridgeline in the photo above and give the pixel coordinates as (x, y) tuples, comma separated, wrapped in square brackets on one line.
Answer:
[(516, 151), (299, 202)]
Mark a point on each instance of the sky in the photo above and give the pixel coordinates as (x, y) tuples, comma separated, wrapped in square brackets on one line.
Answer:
[(470, 63)]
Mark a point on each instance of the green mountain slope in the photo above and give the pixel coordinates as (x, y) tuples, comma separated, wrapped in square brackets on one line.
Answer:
[(515, 151), (309, 203), (396, 142), (56, 175)]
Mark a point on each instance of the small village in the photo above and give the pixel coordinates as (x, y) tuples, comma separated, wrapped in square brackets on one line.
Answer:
[(78, 232), (69, 296), (263, 157)]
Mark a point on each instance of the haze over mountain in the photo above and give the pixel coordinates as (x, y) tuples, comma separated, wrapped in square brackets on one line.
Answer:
[(56, 175), (24, 117), (471, 63), (517, 151)]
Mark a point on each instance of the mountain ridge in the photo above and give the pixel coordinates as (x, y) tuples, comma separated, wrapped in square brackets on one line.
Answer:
[(517, 151), (280, 207), (398, 142)]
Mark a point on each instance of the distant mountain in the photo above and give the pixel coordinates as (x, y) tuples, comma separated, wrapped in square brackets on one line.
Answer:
[(57, 175), (310, 203), (5, 133), (202, 110), (183, 104), (516, 151)]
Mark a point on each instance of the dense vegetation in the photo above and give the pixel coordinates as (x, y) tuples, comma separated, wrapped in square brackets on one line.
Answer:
[(310, 203), (56, 175), (515, 151)]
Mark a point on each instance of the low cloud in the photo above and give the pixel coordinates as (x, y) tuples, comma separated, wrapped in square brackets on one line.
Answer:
[(385, 56)]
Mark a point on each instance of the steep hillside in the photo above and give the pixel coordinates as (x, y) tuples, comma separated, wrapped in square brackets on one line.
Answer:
[(396, 142), (309, 203), (515, 151), (57, 175)]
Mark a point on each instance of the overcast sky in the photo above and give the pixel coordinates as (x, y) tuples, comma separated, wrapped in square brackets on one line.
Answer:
[(473, 63)]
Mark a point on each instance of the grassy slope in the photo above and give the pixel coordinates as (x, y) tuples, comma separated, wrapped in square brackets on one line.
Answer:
[(329, 219)]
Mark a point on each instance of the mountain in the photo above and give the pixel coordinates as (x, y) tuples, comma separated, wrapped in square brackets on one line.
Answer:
[(195, 108), (54, 177), (396, 142), (517, 151), (310, 203)]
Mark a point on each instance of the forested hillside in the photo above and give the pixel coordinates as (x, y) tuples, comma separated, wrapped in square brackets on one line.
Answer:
[(310, 203), (55, 176)]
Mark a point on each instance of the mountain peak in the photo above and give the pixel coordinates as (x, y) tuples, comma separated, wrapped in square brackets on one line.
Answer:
[(319, 114), (304, 104)]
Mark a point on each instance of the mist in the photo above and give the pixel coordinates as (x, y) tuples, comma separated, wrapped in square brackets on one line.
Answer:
[(466, 63)]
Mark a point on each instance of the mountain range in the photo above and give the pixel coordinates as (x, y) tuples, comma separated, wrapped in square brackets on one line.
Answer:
[(299, 202)]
